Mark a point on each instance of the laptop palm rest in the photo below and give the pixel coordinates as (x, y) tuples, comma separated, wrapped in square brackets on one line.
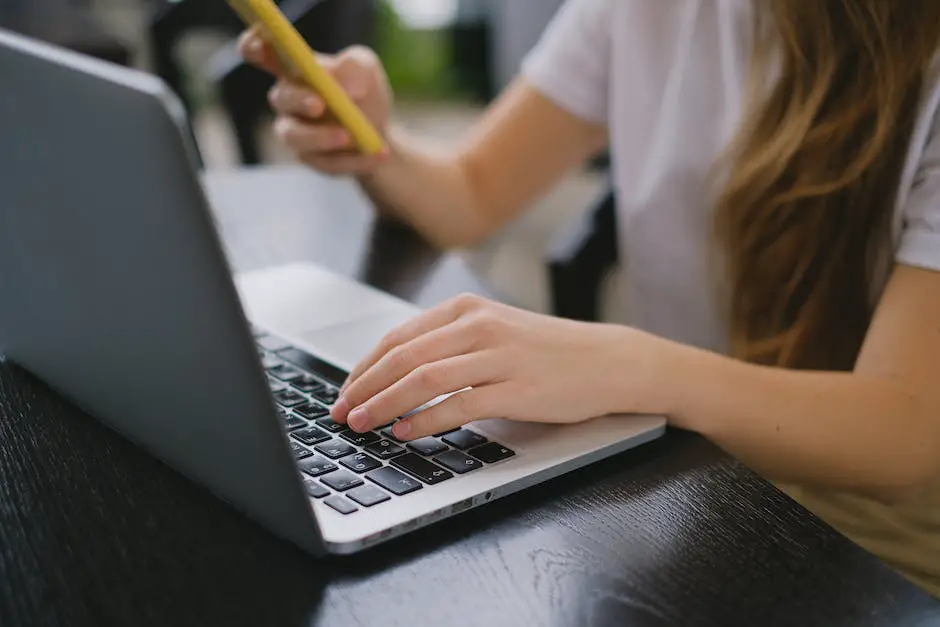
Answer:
[(332, 316)]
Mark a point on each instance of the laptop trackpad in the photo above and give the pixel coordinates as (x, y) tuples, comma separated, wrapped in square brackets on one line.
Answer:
[(345, 344)]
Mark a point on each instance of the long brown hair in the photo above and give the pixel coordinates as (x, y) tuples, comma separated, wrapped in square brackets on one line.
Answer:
[(807, 208)]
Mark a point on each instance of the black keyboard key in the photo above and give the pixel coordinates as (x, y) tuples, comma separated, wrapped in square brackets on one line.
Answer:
[(310, 436), (387, 432), (311, 411), (329, 425), (368, 495), (269, 361), (341, 504), (463, 439), (394, 481), (326, 395), (293, 422), (360, 463), (334, 449), (272, 343), (491, 453), (359, 439), (342, 481), (458, 462), (421, 468), (285, 373), (288, 398), (307, 384), (385, 449), (314, 489), (299, 451), (313, 365), (316, 466), (427, 446)]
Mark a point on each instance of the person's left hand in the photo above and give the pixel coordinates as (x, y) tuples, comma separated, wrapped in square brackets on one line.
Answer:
[(502, 362)]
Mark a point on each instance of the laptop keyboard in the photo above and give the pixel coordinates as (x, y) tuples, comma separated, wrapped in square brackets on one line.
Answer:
[(350, 471)]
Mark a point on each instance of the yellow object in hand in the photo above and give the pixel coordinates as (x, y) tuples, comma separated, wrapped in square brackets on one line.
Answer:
[(297, 55)]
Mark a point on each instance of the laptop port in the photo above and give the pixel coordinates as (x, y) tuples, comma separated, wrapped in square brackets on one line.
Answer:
[(462, 506)]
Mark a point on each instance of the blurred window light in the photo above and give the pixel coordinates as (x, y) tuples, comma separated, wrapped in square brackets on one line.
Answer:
[(426, 14)]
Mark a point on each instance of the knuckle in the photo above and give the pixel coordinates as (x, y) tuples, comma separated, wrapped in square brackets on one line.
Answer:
[(487, 325), (467, 302), (430, 376), (284, 128), (359, 55), (278, 93), (401, 357), (390, 340)]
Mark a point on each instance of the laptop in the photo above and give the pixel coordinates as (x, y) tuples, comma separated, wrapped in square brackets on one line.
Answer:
[(116, 292)]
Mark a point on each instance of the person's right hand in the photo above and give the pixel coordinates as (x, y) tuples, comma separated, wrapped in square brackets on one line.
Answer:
[(303, 123)]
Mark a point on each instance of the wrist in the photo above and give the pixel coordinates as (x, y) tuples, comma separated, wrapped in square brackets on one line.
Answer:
[(637, 374), (377, 182), (653, 375), (703, 387)]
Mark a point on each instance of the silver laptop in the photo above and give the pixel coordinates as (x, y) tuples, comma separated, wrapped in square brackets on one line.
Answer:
[(114, 290)]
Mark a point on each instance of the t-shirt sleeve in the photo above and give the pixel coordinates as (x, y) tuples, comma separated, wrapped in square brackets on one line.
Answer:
[(920, 215), (571, 63)]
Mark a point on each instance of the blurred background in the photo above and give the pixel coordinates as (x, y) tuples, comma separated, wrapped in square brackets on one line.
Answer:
[(446, 60)]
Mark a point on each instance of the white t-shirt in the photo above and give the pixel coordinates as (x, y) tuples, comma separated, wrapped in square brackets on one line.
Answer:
[(668, 78)]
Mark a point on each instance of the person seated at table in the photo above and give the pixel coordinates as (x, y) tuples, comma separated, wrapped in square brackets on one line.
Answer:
[(777, 172)]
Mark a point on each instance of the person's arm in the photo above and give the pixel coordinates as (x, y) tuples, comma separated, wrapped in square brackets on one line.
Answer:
[(458, 197), (454, 197), (551, 119), (874, 431)]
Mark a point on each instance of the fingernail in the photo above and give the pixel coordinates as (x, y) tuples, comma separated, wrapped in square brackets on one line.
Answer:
[(358, 419), (340, 409), (402, 429)]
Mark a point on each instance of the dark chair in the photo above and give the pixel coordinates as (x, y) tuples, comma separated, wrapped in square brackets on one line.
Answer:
[(582, 254), (473, 58), (329, 26), (170, 21)]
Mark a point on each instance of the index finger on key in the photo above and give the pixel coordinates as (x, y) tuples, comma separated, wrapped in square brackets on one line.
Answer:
[(425, 323)]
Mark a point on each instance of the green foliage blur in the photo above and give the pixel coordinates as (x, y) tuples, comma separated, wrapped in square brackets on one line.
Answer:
[(419, 62)]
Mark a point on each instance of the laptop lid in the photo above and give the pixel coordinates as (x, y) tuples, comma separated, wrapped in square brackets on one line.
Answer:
[(114, 288)]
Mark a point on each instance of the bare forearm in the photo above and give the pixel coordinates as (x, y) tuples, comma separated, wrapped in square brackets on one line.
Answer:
[(834, 430), (522, 145), (431, 191)]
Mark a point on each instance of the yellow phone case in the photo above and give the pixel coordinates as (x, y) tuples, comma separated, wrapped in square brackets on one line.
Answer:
[(302, 61)]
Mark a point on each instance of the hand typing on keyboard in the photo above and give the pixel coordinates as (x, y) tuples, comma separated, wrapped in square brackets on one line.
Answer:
[(496, 361)]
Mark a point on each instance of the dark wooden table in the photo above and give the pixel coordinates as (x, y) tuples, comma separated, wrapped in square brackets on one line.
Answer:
[(95, 532)]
